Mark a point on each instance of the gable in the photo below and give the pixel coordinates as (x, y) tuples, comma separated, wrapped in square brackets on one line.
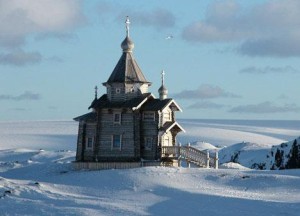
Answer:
[(160, 105), (171, 126)]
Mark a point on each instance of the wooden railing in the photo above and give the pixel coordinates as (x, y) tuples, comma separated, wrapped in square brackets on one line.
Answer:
[(191, 155)]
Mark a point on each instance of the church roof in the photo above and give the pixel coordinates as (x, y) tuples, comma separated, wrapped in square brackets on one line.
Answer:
[(127, 71), (170, 125), (134, 103), (157, 104), (91, 116)]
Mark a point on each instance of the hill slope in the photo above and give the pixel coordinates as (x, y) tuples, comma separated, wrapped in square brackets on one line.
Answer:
[(43, 183), (258, 156)]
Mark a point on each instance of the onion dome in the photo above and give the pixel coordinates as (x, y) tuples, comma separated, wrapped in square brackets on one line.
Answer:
[(163, 91), (127, 45)]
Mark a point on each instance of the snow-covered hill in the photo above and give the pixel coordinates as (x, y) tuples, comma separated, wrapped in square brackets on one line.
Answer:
[(37, 176), (43, 183), (245, 153), (256, 156)]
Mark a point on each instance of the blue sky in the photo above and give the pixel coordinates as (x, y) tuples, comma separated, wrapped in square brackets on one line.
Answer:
[(226, 59)]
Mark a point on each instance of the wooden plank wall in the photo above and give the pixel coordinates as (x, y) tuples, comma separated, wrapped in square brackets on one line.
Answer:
[(150, 129), (119, 165), (109, 128)]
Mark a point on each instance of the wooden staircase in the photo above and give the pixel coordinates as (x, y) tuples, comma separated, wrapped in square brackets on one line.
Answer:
[(191, 155)]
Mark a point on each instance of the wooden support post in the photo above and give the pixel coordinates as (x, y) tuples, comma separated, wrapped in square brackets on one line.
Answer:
[(188, 152), (217, 160), (179, 156), (189, 163), (178, 150), (207, 159)]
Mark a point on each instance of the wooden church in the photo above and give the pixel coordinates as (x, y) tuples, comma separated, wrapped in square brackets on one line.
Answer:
[(128, 126)]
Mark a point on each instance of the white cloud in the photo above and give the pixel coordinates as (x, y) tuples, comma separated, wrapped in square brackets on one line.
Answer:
[(205, 91), (18, 19), (158, 18), (205, 105), (267, 29), (283, 97), (20, 109), (20, 58), (265, 107), (269, 70), (27, 95)]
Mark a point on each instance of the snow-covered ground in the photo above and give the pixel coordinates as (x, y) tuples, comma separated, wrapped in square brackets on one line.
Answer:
[(36, 176)]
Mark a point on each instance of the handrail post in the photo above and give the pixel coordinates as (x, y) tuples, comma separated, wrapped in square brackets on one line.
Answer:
[(179, 155), (207, 159), (188, 150), (217, 160), (179, 147), (188, 155)]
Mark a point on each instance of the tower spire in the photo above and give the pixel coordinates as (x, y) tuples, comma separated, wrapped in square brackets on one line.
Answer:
[(163, 91)]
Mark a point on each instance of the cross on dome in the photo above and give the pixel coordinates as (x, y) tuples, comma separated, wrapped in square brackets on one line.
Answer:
[(127, 23), (163, 77), (127, 45)]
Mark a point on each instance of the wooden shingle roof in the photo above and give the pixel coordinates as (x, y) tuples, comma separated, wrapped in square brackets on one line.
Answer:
[(157, 104), (91, 116), (103, 102), (171, 125)]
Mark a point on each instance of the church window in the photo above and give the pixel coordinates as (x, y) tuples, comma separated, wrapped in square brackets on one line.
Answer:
[(167, 141), (149, 116), (116, 141), (117, 118), (167, 116), (148, 143), (118, 90), (89, 142)]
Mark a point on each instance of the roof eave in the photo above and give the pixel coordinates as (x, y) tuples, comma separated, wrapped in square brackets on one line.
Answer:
[(172, 101), (143, 101), (172, 125)]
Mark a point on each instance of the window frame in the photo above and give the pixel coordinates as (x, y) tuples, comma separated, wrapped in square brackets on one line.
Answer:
[(113, 147), (114, 117), (118, 90), (147, 118), (87, 147), (146, 144), (167, 141), (167, 116)]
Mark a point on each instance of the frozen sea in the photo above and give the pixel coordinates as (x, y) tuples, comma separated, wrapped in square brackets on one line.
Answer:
[(228, 132), (61, 135)]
